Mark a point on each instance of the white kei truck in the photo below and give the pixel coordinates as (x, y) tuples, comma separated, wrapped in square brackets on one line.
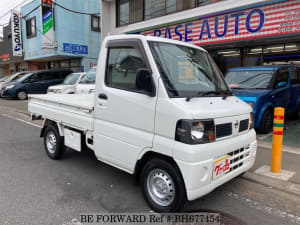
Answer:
[(161, 111)]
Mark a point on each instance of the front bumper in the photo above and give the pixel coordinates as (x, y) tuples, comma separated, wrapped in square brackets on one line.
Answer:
[(196, 162), (10, 93)]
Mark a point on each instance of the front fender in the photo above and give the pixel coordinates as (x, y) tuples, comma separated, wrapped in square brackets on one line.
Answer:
[(260, 114)]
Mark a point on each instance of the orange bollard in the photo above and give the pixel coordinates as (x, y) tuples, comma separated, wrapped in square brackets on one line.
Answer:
[(277, 139)]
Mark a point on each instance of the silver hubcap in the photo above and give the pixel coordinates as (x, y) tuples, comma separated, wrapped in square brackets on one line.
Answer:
[(160, 187), (51, 142), (22, 95)]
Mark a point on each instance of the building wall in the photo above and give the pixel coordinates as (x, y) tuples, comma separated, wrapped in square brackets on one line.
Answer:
[(108, 11), (70, 28)]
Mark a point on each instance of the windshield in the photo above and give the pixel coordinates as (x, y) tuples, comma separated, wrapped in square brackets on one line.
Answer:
[(15, 77), (89, 78), (22, 78), (187, 71), (249, 79), (71, 79)]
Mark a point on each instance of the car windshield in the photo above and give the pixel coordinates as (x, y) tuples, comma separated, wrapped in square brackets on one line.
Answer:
[(249, 79), (71, 79), (22, 78), (187, 71), (15, 77), (89, 78)]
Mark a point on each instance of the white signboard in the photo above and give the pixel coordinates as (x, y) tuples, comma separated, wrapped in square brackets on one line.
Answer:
[(17, 47)]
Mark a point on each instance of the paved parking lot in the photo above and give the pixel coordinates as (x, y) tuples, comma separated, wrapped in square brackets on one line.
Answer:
[(37, 190)]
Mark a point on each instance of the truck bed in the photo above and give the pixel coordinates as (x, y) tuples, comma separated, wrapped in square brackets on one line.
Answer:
[(74, 110)]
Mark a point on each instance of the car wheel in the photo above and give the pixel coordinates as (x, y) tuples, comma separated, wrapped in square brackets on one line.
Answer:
[(22, 95), (267, 122), (54, 143), (163, 186)]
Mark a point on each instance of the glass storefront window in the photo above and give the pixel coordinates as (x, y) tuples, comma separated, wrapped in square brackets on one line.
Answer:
[(205, 2), (123, 12), (132, 11)]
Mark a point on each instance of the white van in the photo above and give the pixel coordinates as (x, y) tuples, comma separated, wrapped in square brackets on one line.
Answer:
[(161, 111), (87, 84), (68, 86)]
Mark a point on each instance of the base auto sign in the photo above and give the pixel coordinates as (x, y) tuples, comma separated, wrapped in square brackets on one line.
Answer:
[(256, 22)]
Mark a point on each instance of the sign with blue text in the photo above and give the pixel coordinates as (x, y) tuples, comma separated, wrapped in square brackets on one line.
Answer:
[(75, 49), (16, 34), (270, 19)]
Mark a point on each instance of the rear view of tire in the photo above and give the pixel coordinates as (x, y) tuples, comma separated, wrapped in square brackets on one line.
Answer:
[(163, 186), (54, 144), (22, 95), (267, 122)]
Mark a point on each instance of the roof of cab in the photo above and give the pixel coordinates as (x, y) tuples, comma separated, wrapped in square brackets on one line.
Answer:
[(151, 38), (260, 68)]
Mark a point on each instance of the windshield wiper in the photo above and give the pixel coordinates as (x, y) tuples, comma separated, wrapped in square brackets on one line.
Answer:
[(202, 94), (223, 94)]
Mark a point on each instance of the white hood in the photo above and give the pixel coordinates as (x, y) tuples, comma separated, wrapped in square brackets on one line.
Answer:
[(214, 107)]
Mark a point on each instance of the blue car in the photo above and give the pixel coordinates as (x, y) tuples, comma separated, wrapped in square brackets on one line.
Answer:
[(267, 87), (36, 82)]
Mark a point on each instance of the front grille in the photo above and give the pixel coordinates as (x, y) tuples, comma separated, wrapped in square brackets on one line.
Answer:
[(223, 130), (237, 158), (244, 125)]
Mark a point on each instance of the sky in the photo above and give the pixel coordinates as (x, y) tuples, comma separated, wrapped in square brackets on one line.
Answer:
[(5, 7)]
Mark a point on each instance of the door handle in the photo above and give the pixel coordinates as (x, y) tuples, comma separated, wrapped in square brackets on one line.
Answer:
[(102, 96)]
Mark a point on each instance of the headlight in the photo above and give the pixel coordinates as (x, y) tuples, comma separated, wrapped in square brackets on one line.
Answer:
[(251, 104), (10, 86), (92, 91), (195, 131)]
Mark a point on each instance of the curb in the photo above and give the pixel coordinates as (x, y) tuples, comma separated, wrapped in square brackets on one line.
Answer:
[(285, 148), (280, 185)]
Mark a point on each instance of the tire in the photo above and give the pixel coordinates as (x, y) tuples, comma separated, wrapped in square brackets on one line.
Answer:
[(163, 186), (267, 122), (22, 95), (54, 144)]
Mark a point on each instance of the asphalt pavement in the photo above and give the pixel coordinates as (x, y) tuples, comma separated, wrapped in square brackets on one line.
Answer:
[(37, 190)]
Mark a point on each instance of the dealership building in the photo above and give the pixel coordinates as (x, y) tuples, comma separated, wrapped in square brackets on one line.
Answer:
[(236, 33)]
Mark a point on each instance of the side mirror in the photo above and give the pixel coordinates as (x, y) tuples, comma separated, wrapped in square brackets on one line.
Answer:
[(144, 82), (281, 84)]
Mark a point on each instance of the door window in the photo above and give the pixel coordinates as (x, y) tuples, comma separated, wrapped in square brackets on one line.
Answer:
[(283, 76), (294, 76), (123, 63)]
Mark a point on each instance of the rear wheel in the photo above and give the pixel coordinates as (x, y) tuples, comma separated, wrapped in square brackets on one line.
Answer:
[(163, 186), (267, 122), (22, 95), (54, 144)]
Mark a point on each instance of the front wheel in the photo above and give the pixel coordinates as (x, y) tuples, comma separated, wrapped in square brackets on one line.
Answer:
[(163, 186), (22, 95), (267, 122), (54, 144)]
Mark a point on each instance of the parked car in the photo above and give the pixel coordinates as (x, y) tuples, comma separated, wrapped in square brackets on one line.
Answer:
[(36, 82), (266, 87), (11, 78), (161, 111), (87, 84), (68, 86)]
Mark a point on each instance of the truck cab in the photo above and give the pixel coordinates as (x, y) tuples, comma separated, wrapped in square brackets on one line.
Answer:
[(161, 111)]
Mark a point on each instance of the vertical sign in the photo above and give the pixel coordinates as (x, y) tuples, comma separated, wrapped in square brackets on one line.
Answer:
[(17, 48), (47, 24)]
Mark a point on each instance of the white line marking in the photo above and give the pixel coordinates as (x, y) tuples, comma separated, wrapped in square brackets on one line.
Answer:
[(288, 149), (20, 120), (269, 210)]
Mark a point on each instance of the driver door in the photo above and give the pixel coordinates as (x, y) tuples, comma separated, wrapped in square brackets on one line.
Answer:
[(281, 95), (124, 116)]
